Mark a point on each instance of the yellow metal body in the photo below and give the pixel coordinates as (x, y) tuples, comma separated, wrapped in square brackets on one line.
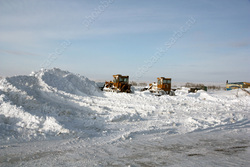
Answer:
[(163, 85), (119, 84)]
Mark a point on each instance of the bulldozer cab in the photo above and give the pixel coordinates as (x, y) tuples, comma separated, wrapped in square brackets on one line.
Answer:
[(164, 84), (121, 83), (120, 79)]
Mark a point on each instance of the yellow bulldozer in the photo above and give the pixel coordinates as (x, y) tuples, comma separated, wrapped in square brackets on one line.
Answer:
[(119, 84), (162, 87)]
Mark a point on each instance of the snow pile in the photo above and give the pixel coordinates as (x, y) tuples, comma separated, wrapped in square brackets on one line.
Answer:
[(18, 124), (43, 104), (59, 80)]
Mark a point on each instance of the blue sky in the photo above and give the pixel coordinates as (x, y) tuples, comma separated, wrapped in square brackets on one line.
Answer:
[(100, 38)]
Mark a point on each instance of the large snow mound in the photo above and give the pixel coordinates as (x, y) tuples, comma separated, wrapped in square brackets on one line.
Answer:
[(43, 104), (65, 81)]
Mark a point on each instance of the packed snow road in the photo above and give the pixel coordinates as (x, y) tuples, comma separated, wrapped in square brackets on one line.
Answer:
[(224, 148), (56, 118)]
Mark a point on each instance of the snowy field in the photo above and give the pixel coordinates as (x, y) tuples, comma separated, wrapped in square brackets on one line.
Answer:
[(57, 118)]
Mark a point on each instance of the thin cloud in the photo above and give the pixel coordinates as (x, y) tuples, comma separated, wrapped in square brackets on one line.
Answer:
[(240, 44), (18, 53), (50, 24)]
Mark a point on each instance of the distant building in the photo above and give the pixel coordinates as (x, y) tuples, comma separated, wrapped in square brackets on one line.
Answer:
[(237, 85)]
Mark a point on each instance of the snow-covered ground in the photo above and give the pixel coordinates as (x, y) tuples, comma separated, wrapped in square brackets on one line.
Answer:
[(56, 118)]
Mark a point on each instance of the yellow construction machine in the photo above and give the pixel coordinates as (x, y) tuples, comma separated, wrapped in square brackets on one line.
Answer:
[(162, 87), (119, 84)]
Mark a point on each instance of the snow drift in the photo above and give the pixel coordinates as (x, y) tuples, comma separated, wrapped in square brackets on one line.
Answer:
[(42, 105)]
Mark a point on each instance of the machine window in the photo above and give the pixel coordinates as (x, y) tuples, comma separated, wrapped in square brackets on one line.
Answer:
[(165, 81)]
